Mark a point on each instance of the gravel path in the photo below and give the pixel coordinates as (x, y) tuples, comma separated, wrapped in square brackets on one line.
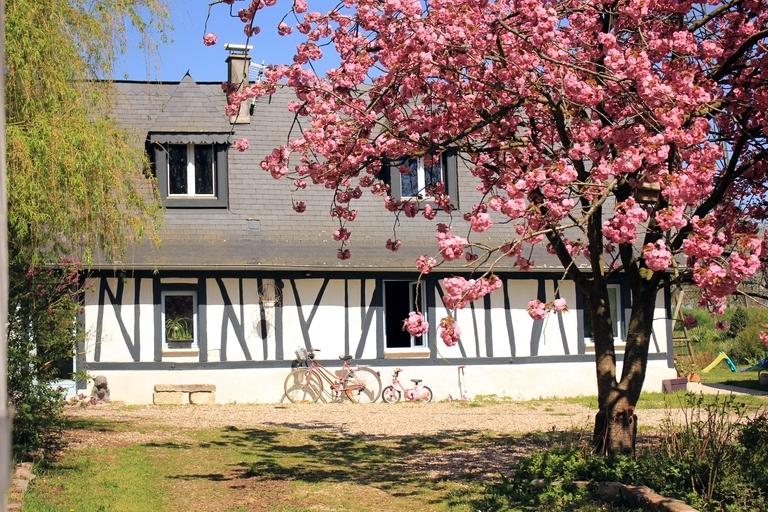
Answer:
[(370, 419)]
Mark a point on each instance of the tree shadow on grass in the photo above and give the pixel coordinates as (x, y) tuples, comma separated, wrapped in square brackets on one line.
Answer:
[(402, 466)]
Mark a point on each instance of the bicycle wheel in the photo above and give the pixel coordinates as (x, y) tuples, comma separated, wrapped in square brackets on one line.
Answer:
[(390, 395), (426, 394), (362, 385), (302, 386)]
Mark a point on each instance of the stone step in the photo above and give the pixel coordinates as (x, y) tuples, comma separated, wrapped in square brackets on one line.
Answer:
[(185, 388)]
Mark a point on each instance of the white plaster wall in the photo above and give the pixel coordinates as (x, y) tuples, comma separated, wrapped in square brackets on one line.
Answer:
[(662, 326), (326, 332), (113, 344), (356, 320), (521, 291), (523, 381)]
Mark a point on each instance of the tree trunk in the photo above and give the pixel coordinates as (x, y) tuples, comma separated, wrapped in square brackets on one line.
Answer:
[(615, 429)]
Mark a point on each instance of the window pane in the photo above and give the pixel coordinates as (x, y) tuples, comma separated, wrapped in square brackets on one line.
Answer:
[(396, 308), (613, 296), (204, 169), (177, 169), (433, 173), (410, 180), (179, 317), (418, 341)]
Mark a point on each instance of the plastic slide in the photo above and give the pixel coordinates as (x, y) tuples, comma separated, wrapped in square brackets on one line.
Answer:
[(722, 356)]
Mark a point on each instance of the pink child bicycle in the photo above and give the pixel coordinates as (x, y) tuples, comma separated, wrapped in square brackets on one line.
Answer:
[(396, 391)]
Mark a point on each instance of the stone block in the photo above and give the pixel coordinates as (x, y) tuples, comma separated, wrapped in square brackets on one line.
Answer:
[(186, 388), (202, 397), (20, 484), (168, 398), (24, 471)]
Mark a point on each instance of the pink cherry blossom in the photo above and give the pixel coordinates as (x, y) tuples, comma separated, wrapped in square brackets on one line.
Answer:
[(764, 339), (300, 206), (449, 331), (621, 147), (341, 234), (416, 324), (559, 305), (425, 264), (481, 222), (394, 245), (451, 246), (460, 291), (537, 309), (657, 256), (241, 145), (209, 39)]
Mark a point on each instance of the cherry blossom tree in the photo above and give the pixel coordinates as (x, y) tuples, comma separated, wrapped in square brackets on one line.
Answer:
[(628, 136)]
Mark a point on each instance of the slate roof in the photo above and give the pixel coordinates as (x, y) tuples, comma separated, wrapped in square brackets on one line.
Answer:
[(260, 230)]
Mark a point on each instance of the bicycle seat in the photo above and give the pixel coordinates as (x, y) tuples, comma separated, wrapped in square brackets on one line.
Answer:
[(415, 381), (345, 358)]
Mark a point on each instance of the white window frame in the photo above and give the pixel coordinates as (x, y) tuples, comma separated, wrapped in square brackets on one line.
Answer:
[(424, 347), (191, 172), (178, 293), (421, 179), (618, 326)]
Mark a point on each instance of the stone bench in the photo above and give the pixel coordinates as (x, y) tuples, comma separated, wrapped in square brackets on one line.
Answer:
[(179, 394)]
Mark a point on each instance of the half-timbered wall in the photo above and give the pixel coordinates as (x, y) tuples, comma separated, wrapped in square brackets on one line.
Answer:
[(237, 327)]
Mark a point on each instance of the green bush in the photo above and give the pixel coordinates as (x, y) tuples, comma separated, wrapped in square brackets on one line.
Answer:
[(754, 438), (43, 304), (716, 460), (738, 322), (746, 347)]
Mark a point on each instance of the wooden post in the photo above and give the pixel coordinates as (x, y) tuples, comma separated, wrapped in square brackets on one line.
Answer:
[(5, 417)]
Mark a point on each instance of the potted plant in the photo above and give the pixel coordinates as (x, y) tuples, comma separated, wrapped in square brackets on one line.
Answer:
[(687, 370), (179, 332)]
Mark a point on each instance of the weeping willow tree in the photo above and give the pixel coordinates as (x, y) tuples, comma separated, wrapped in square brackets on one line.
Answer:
[(77, 184)]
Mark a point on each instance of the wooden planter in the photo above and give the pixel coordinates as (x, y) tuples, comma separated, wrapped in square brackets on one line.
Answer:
[(672, 385), (180, 343)]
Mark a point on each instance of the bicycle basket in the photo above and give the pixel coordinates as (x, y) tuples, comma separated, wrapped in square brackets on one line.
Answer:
[(301, 355)]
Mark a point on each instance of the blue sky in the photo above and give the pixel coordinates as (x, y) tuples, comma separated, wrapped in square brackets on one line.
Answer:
[(185, 51)]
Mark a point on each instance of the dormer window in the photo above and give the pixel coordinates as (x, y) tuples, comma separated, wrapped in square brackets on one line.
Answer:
[(415, 177), (420, 176), (191, 168)]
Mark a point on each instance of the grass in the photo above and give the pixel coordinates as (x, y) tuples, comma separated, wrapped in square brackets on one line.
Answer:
[(722, 375), (271, 469), (287, 468), (648, 400)]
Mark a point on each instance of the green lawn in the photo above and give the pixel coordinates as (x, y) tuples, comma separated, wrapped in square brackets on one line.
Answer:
[(722, 375), (648, 400), (118, 467), (269, 469)]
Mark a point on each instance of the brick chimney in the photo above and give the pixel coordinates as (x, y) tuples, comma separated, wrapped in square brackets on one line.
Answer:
[(238, 63)]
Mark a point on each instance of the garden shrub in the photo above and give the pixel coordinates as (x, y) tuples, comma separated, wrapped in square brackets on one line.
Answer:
[(43, 303), (753, 436), (746, 347), (738, 322), (716, 460)]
